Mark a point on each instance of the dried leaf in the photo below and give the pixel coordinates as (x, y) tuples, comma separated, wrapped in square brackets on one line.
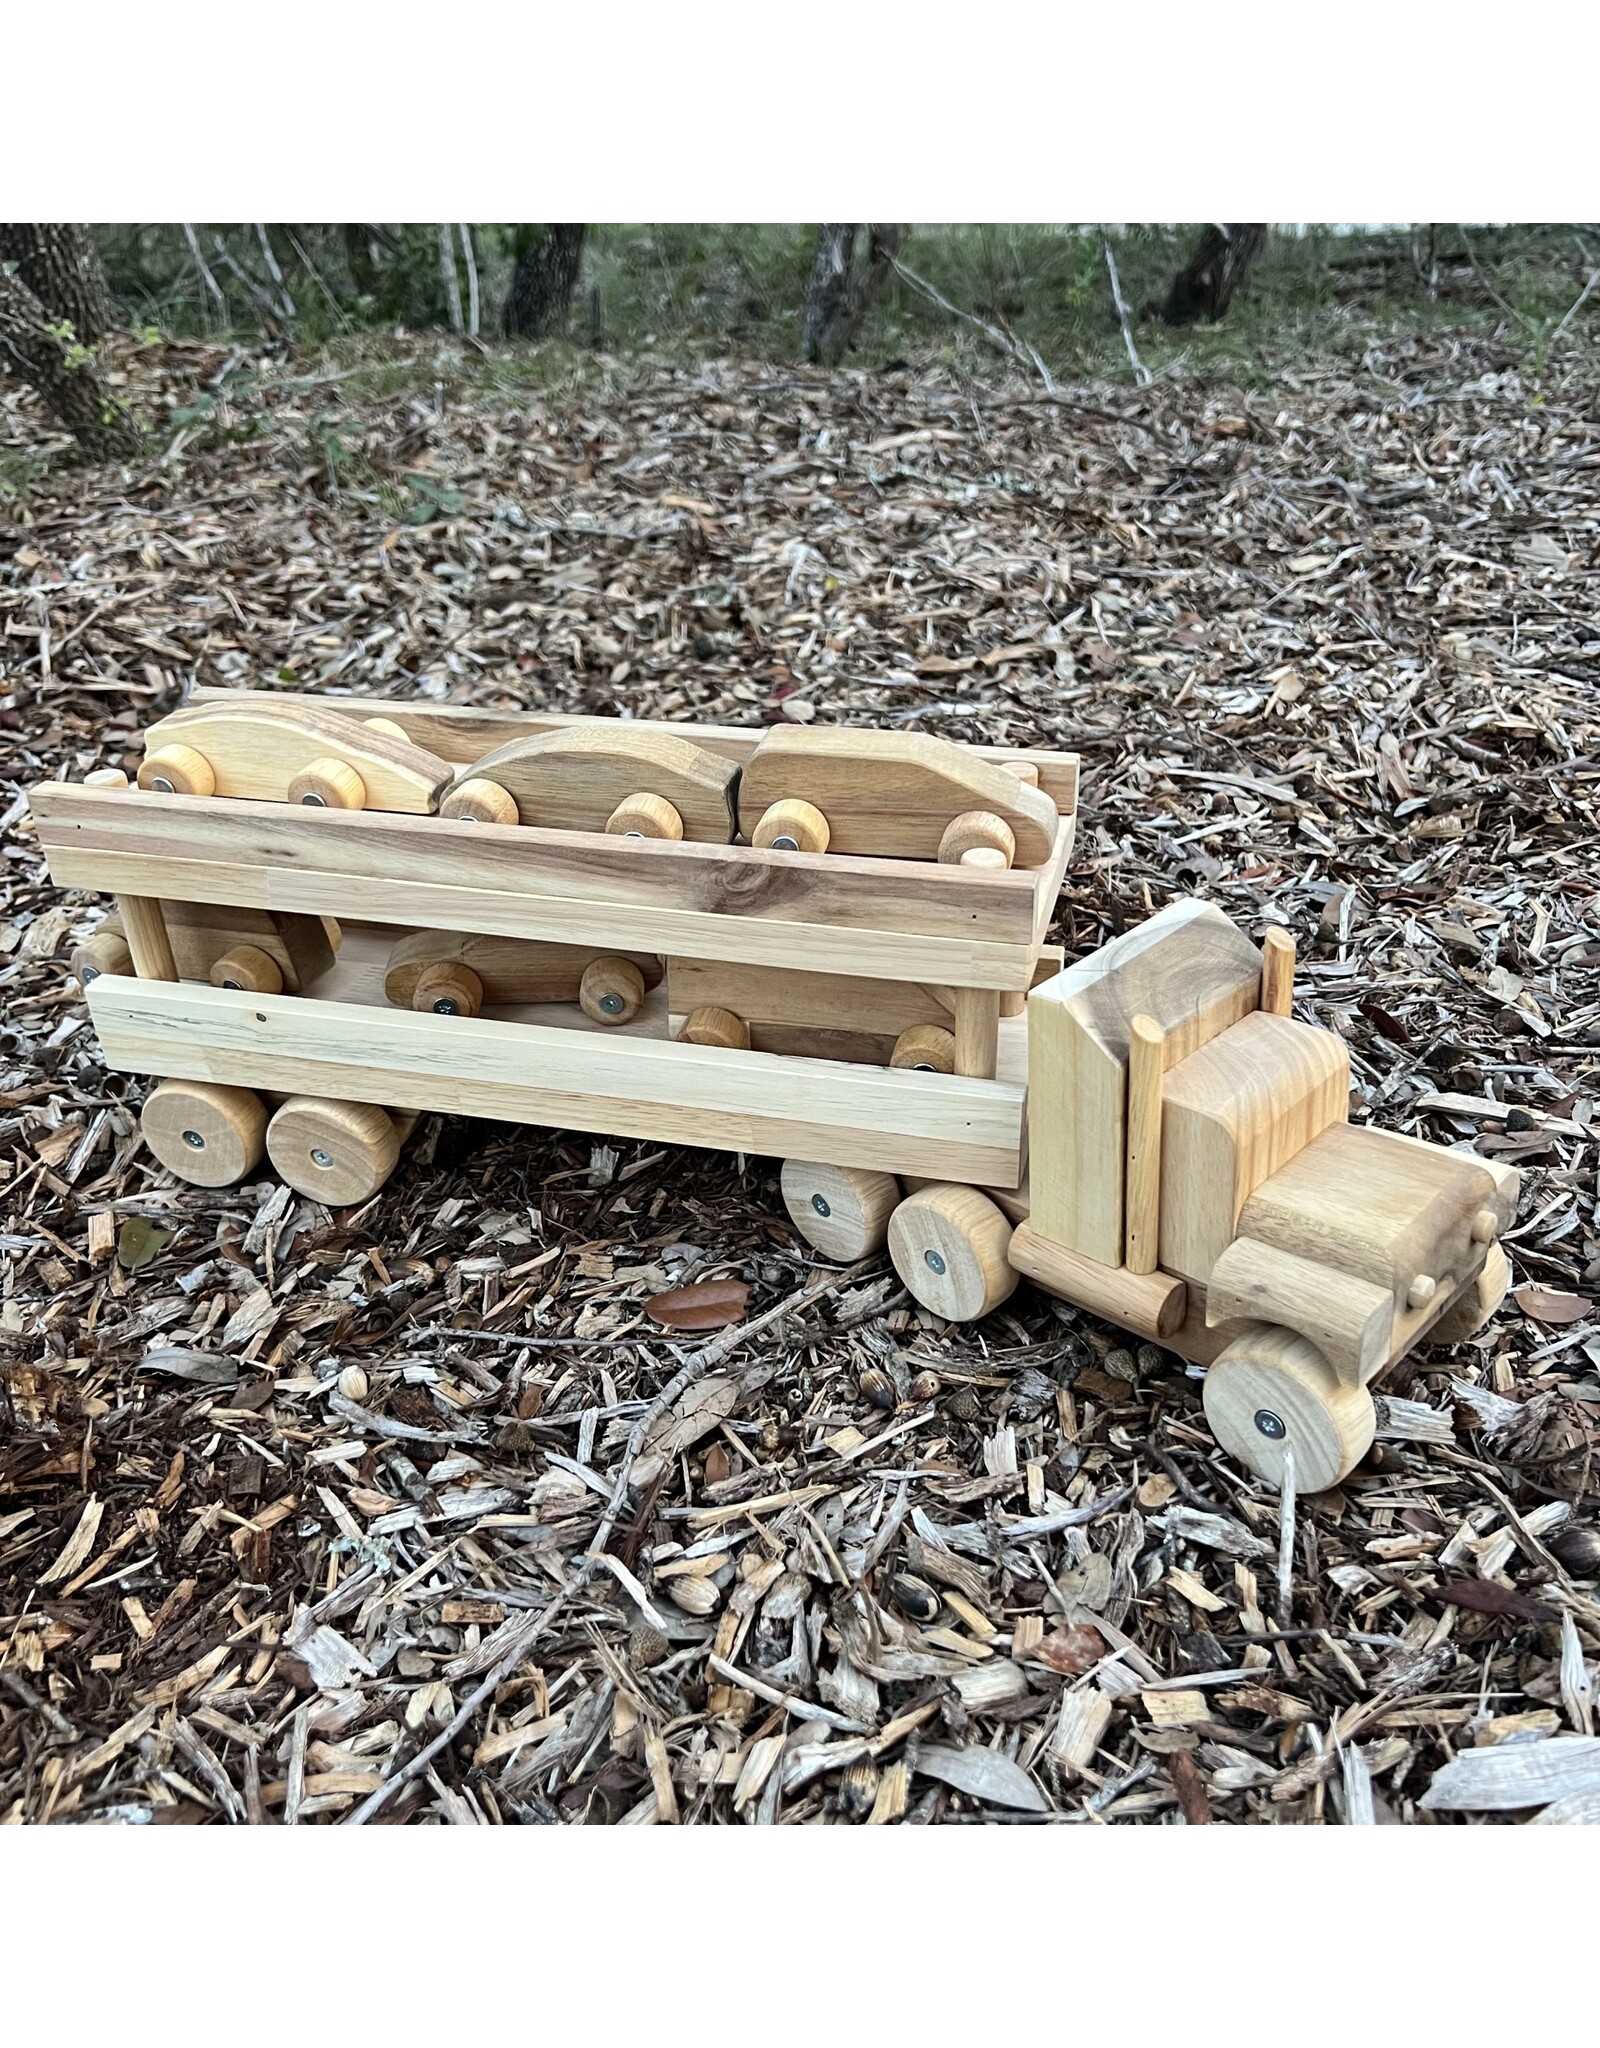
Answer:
[(981, 1774), (1552, 1305), (1484, 1596), (138, 1242), (205, 1369), (706, 1305)]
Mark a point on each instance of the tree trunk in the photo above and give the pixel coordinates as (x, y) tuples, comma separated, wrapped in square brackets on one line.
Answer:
[(1208, 281), (44, 350), (60, 265), (836, 299), (545, 279)]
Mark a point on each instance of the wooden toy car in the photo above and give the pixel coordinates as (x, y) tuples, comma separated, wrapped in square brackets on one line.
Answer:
[(1147, 1132)]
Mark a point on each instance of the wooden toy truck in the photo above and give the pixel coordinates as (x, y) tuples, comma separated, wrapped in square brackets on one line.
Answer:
[(827, 946)]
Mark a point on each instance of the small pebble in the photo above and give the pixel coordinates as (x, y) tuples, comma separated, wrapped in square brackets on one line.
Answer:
[(353, 1383)]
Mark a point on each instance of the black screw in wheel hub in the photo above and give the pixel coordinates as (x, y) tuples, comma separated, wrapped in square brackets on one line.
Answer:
[(821, 1205), (445, 1007), (785, 843), (313, 799), (934, 1261), (194, 1141), (163, 784), (612, 1005), (1271, 1425), (319, 1157)]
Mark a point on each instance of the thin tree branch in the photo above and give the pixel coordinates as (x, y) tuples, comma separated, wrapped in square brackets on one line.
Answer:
[(1019, 352), (1140, 374)]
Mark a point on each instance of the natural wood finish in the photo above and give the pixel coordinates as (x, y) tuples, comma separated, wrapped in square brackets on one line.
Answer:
[(980, 839), (831, 1002), (1150, 1304), (609, 1082), (977, 1030), (1272, 1391), (645, 816), (1365, 1203), (463, 733), (1193, 973), (480, 802), (176, 770), (1277, 972), (335, 1152), (611, 990), (389, 730), (249, 968), (573, 779), (256, 747), (1146, 1065), (711, 1026), (802, 1042), (145, 930), (327, 784), (208, 1135), (1232, 1115), (106, 778), (1350, 1321), (891, 793), (509, 970), (925, 1048), (842, 1211), (448, 988), (792, 826), (201, 933), (949, 1246), (1476, 1303), (887, 920), (103, 952)]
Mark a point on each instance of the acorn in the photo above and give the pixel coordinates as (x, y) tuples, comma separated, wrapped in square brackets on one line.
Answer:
[(962, 1405), (878, 1389), (353, 1383), (647, 1646), (925, 1387), (858, 1790), (916, 1601)]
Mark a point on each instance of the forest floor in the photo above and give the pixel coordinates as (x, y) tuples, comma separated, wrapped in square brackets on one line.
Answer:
[(287, 1496)]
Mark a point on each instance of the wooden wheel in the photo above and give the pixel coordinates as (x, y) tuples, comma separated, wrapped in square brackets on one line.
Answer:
[(247, 967), (1466, 1316), (1271, 1391), (329, 785), (611, 990), (927, 1047), (102, 952), (336, 1152), (978, 839), (389, 729), (644, 816), (711, 1026), (480, 802), (843, 1211), (792, 826), (176, 770), (106, 778), (207, 1135), (949, 1246), (449, 988)]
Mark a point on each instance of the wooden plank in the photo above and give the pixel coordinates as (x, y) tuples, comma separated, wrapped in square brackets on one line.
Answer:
[(464, 733), (1232, 1115), (891, 793), (1047, 879), (1193, 973), (822, 1002), (887, 920), (936, 1125), (977, 1030)]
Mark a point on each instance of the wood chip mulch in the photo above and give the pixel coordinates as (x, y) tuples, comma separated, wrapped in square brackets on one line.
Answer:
[(298, 1509)]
